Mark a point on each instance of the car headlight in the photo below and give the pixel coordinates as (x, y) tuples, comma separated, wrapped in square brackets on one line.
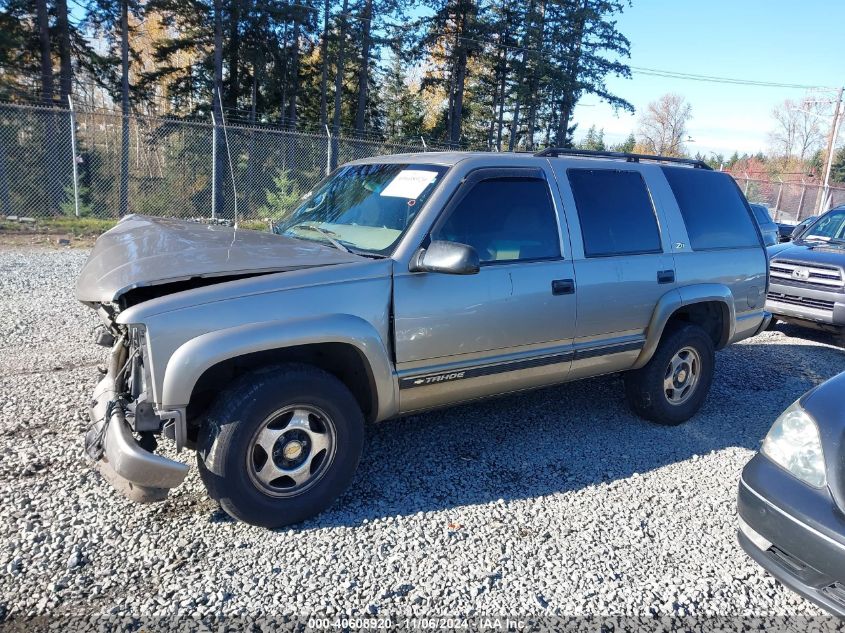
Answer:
[(793, 442)]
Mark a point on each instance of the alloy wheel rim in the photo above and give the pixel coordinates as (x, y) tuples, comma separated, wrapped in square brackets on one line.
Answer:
[(682, 376), (291, 450)]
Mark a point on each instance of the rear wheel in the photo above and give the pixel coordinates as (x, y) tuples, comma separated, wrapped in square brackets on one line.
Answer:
[(280, 445), (672, 386)]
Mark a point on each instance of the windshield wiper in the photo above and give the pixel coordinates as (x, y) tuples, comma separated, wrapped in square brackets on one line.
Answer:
[(370, 254), (327, 234)]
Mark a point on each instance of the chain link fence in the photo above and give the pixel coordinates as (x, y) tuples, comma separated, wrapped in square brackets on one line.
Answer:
[(791, 202), (176, 168), (56, 162)]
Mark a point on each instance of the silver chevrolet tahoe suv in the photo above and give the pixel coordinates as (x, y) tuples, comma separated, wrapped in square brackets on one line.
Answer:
[(403, 283)]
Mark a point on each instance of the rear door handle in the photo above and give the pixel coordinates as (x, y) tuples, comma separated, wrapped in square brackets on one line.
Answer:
[(563, 287), (665, 276)]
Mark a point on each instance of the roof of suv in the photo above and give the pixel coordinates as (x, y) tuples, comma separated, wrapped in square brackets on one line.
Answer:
[(437, 158), (449, 158)]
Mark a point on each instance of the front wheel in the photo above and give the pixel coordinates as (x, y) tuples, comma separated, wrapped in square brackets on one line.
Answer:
[(280, 445), (672, 386)]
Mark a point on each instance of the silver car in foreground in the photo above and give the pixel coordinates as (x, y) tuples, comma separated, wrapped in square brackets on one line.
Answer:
[(403, 283)]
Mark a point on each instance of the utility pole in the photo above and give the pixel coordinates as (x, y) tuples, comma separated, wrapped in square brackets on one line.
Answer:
[(831, 143)]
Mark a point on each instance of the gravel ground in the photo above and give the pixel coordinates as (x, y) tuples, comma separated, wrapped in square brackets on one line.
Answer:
[(555, 503)]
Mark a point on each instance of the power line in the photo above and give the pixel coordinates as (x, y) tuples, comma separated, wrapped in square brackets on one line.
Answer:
[(656, 72)]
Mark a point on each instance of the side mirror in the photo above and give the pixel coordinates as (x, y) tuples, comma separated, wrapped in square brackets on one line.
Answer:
[(451, 258)]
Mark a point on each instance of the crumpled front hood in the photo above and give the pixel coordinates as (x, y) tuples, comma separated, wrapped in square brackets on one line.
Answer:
[(810, 252), (142, 251)]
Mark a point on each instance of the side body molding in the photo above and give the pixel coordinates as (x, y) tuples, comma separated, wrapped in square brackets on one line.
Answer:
[(678, 298), (193, 358)]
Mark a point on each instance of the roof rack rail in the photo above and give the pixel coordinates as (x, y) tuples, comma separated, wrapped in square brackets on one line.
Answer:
[(553, 152)]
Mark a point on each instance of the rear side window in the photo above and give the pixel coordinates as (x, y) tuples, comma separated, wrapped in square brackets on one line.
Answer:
[(504, 219), (615, 212), (761, 213), (713, 209)]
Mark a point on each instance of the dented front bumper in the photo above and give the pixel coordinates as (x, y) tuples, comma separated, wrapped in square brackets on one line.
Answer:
[(137, 473)]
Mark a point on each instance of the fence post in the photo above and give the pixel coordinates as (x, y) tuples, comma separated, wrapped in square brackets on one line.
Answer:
[(328, 150), (801, 200), (213, 167), (780, 193), (745, 193), (123, 190), (73, 156)]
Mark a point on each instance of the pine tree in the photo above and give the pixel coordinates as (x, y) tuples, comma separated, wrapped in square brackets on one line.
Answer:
[(837, 169), (594, 140), (627, 146), (495, 73), (111, 18), (583, 39), (450, 42), (403, 108)]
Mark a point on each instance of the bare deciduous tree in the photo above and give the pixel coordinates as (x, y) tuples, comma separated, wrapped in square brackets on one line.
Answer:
[(798, 130), (663, 125)]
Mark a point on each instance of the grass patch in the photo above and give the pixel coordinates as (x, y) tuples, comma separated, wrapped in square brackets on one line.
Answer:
[(78, 227), (84, 227), (253, 225)]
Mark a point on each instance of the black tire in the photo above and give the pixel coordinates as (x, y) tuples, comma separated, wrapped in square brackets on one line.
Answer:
[(840, 337), (227, 443), (644, 387), (773, 324)]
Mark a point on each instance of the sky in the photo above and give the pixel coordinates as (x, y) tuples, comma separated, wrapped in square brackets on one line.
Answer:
[(773, 41)]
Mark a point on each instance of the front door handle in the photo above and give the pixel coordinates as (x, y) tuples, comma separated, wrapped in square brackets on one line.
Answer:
[(665, 276), (563, 287)]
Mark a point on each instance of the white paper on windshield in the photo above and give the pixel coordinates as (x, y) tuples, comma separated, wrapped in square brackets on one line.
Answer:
[(409, 183)]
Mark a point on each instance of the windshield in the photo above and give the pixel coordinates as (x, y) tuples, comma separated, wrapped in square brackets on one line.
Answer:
[(363, 208), (830, 227)]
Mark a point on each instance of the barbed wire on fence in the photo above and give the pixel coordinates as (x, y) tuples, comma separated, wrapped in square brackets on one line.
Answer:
[(178, 167)]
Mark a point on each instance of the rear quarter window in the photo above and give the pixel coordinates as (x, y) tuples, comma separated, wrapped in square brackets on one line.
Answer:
[(714, 211)]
